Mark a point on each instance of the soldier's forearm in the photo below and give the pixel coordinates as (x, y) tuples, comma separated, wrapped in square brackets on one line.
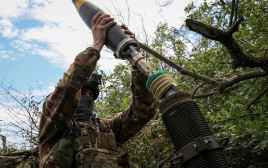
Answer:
[(142, 109), (82, 68), (67, 93), (138, 88), (60, 105)]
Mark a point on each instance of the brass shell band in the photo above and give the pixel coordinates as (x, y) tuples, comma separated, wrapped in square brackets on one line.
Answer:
[(161, 84), (79, 3)]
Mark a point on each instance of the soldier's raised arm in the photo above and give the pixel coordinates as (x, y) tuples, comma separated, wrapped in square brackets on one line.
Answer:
[(60, 106), (142, 108)]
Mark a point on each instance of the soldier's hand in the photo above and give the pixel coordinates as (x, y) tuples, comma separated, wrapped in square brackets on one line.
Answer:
[(100, 24), (128, 32)]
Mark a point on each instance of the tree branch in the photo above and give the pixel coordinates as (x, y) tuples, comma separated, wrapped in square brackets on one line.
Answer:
[(241, 77), (160, 165), (12, 159), (229, 119), (236, 9), (232, 13), (223, 3), (22, 105), (221, 84), (195, 90), (257, 98), (225, 37), (254, 81), (217, 92), (179, 68)]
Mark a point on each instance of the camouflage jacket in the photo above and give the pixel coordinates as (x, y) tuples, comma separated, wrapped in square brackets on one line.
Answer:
[(60, 106)]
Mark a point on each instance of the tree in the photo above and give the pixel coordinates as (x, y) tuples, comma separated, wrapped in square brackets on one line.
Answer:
[(220, 56), (23, 110), (115, 91), (227, 67)]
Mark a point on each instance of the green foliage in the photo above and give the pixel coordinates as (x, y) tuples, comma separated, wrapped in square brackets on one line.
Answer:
[(168, 43), (226, 113), (115, 91), (27, 163), (7, 149), (247, 129), (152, 143), (252, 34)]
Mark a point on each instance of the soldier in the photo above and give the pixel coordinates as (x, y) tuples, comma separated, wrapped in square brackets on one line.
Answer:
[(69, 133)]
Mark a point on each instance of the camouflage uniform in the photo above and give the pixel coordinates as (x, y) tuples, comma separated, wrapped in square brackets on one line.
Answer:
[(60, 106)]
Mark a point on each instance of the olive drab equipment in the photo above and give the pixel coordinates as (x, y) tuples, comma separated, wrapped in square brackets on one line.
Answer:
[(89, 144), (95, 145)]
